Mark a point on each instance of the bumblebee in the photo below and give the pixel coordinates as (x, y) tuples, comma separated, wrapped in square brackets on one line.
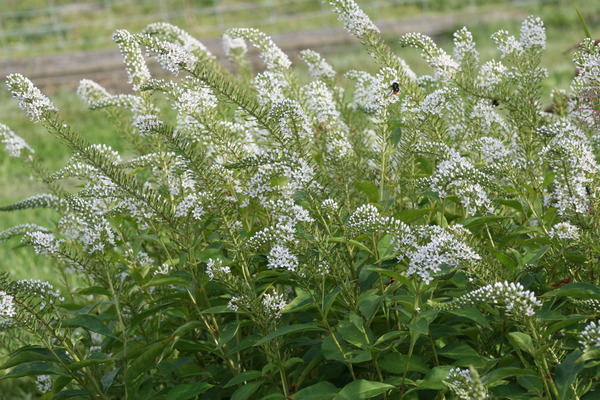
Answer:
[(395, 88)]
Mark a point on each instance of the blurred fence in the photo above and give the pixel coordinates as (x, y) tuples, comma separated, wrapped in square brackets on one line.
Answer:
[(37, 27)]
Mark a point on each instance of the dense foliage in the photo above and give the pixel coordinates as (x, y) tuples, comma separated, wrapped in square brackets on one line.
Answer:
[(420, 237)]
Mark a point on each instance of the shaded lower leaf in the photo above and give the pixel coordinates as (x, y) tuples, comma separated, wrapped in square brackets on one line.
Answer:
[(247, 390), (188, 390), (287, 330), (320, 391), (34, 369), (362, 389)]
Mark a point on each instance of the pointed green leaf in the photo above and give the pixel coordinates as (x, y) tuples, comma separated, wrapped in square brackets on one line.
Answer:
[(320, 391), (576, 290), (34, 369), (243, 377), (286, 330), (522, 341), (91, 323), (247, 390), (362, 389), (188, 390)]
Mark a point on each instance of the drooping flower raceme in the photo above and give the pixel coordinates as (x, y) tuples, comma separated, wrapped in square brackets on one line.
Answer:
[(318, 67), (570, 156), (136, 67), (355, 20), (590, 336), (516, 300), (466, 384), (13, 144), (274, 58), (7, 305), (564, 230), (30, 98), (436, 246)]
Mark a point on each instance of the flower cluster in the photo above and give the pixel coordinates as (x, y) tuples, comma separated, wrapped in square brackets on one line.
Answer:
[(564, 230), (570, 156), (216, 270), (590, 336), (44, 383), (273, 304), (30, 98), (274, 58), (514, 297), (318, 67), (466, 384), (7, 305), (355, 20), (136, 67), (457, 175), (435, 247), (13, 144)]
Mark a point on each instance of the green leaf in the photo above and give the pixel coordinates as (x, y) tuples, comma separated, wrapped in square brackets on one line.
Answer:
[(244, 376), (93, 290), (362, 389), (247, 390), (228, 333), (320, 391), (108, 379), (286, 330), (434, 379), (329, 349), (301, 302), (146, 360), (30, 354), (67, 394), (352, 334), (188, 390), (522, 341), (408, 216), (368, 188), (576, 290), (330, 300), (86, 363), (34, 369), (503, 373), (473, 314), (512, 204), (583, 24), (458, 351), (368, 302), (566, 372), (91, 323), (159, 280), (397, 364)]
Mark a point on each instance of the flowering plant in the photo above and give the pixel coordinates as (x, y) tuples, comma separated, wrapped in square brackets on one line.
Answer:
[(267, 238)]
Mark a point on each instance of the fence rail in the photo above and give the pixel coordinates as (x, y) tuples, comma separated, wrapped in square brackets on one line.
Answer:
[(89, 24)]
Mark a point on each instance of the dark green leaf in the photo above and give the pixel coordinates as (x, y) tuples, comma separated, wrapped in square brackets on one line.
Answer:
[(362, 389), (503, 373), (188, 390), (320, 391), (29, 354), (576, 290), (67, 394), (396, 363), (522, 341), (244, 392), (286, 330), (91, 323), (368, 188), (566, 372), (473, 314), (244, 376), (35, 369)]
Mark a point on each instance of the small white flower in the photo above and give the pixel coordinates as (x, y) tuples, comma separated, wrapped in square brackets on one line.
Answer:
[(7, 305), (590, 336), (44, 383), (30, 98), (564, 230), (282, 257)]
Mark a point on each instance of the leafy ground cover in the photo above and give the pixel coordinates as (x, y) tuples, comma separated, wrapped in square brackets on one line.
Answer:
[(278, 235)]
